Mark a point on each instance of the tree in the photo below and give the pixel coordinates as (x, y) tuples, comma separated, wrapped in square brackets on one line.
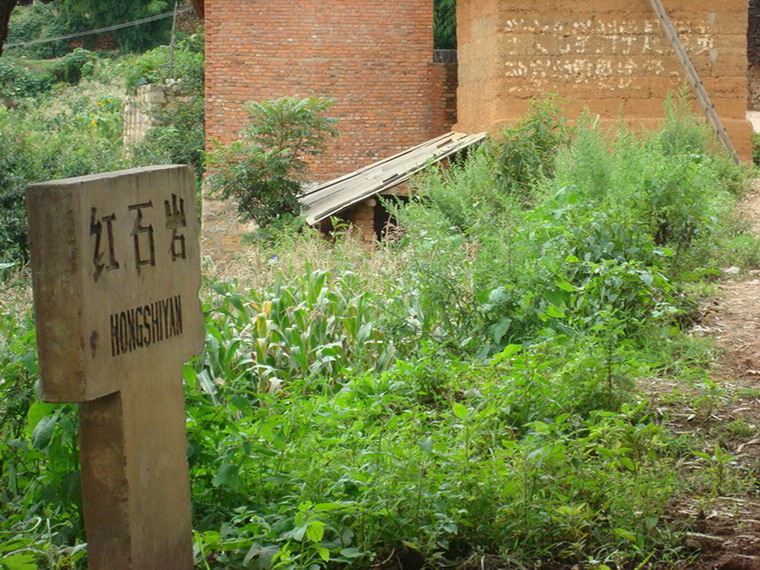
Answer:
[(445, 24), (6, 7), (265, 169), (89, 14)]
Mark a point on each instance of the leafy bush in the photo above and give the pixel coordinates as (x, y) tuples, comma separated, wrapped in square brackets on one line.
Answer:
[(35, 21), (179, 139), (17, 81), (265, 169), (39, 485), (680, 200), (81, 139), (83, 134), (158, 66), (73, 66), (180, 136), (682, 133), (524, 154), (615, 227), (16, 170)]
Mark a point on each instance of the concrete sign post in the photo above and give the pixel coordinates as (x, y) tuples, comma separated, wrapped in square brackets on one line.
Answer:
[(116, 273)]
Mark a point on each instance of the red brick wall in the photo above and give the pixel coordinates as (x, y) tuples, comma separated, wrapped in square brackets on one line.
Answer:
[(374, 57), (445, 93), (609, 56)]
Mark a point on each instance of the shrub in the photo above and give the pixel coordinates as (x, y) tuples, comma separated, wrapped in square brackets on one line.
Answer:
[(35, 21), (659, 189), (523, 154), (17, 81), (265, 169), (180, 136), (17, 168), (73, 66), (35, 148), (158, 66), (616, 227), (682, 133)]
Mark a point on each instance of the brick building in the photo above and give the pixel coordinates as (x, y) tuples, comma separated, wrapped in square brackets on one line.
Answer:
[(374, 57)]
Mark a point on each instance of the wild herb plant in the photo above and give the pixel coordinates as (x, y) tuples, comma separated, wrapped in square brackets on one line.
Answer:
[(617, 226), (492, 463), (468, 392), (523, 155), (39, 468)]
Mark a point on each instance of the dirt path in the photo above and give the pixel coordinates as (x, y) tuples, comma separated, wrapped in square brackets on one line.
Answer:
[(726, 528), (735, 315)]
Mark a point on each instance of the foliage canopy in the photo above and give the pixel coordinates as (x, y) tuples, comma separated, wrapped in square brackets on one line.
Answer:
[(265, 170), (61, 17), (445, 26), (90, 14)]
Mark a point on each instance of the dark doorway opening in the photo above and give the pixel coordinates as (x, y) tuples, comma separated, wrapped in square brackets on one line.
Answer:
[(386, 224), (753, 56)]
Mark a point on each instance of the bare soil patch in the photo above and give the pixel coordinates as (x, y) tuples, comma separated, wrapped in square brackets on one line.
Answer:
[(725, 522)]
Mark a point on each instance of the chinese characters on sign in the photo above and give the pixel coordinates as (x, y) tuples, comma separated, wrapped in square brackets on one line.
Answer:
[(104, 249)]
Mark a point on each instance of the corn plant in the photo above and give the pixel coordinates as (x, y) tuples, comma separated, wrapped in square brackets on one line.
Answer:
[(314, 327)]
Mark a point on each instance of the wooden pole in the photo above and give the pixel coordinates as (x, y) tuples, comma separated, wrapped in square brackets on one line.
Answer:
[(174, 36)]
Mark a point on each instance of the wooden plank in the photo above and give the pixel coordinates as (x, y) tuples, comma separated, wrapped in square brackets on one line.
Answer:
[(693, 78), (349, 189)]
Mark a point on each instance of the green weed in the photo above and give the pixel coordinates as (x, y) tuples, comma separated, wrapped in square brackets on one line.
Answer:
[(468, 390), (740, 428)]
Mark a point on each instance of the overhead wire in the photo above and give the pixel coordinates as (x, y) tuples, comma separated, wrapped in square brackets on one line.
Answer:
[(99, 30)]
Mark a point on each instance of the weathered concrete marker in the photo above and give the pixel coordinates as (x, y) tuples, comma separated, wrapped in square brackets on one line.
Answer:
[(116, 273)]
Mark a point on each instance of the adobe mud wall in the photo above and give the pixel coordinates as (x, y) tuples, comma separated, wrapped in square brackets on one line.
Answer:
[(609, 56), (374, 57)]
